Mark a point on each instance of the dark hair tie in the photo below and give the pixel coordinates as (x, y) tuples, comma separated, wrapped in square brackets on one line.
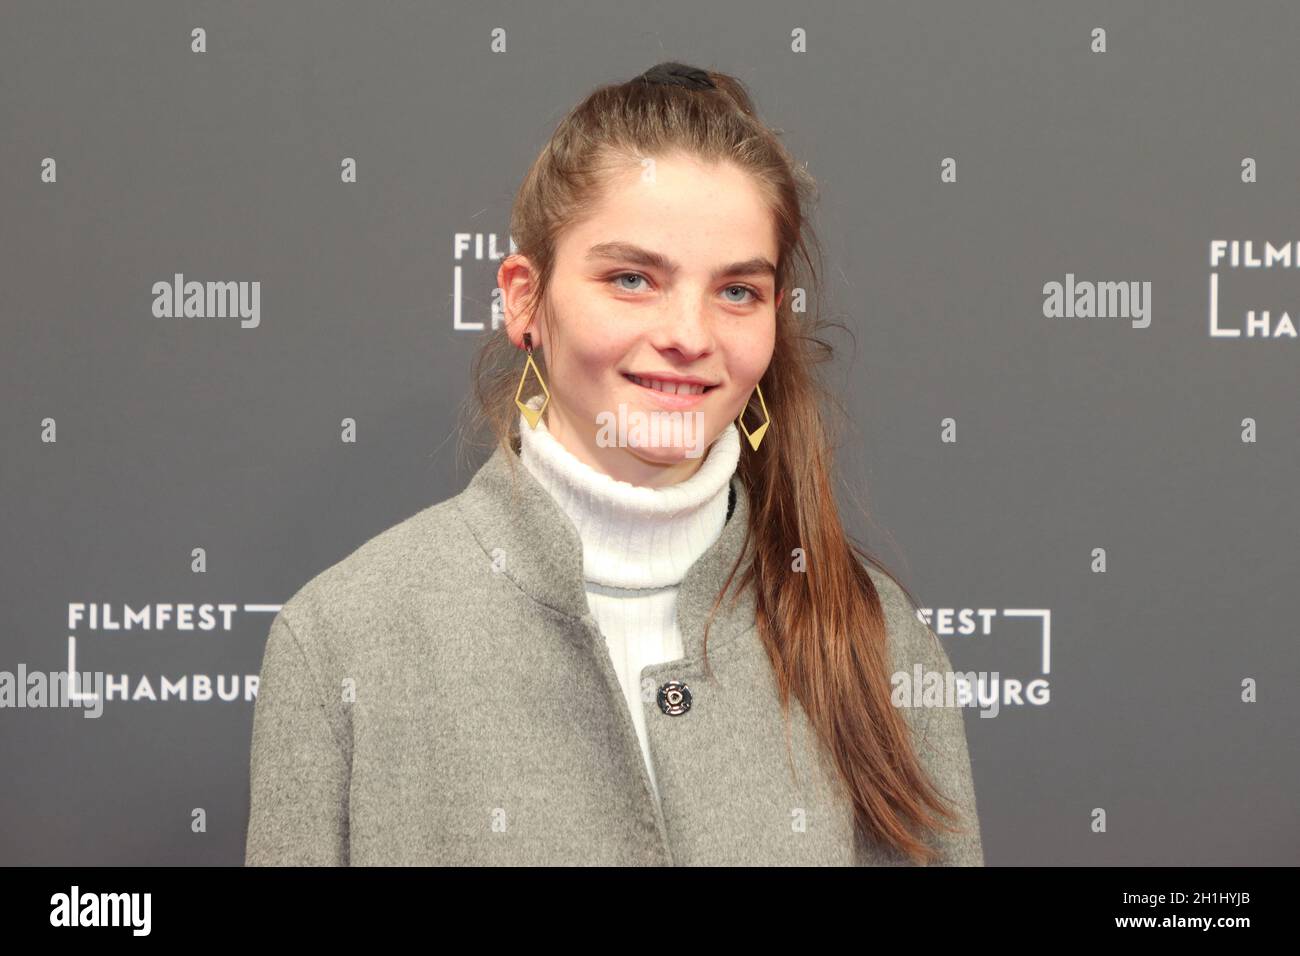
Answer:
[(678, 74)]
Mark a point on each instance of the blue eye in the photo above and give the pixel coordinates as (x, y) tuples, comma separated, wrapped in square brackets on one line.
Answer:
[(628, 275), (743, 288)]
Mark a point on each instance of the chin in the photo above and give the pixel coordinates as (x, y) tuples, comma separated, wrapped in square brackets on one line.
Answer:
[(659, 455), (695, 449)]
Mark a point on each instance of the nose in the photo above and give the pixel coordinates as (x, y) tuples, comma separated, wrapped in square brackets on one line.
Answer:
[(684, 328)]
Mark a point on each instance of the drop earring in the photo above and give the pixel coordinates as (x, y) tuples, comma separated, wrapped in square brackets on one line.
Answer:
[(756, 436), (533, 416)]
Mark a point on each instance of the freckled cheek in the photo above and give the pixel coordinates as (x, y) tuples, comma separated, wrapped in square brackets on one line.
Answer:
[(600, 357), (609, 340), (748, 363), (587, 347)]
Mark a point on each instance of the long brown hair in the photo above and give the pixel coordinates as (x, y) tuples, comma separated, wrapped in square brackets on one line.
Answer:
[(824, 630)]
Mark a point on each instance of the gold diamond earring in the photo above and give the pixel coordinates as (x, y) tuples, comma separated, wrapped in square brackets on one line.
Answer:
[(533, 416), (756, 436)]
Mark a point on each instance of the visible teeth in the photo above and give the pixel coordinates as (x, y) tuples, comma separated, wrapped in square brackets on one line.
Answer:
[(670, 388)]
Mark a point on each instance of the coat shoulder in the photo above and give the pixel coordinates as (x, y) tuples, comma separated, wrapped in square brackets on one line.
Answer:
[(408, 563)]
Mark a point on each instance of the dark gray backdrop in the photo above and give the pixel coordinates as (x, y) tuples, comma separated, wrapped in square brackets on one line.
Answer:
[(1073, 434)]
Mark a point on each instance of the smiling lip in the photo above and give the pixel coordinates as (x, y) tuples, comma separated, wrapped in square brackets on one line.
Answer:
[(686, 397)]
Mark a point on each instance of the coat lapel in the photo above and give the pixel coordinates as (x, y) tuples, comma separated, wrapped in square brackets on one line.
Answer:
[(507, 509)]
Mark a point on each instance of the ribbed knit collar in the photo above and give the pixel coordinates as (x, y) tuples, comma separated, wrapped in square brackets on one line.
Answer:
[(633, 536)]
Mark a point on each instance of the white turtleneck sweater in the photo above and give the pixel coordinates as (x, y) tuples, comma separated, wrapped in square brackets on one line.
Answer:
[(637, 545)]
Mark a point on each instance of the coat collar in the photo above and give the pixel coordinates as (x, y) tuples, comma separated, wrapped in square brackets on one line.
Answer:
[(541, 552)]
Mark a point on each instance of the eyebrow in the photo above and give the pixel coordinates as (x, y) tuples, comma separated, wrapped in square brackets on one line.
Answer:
[(630, 252)]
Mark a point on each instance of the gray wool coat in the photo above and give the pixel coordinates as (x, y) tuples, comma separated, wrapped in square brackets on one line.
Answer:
[(443, 696)]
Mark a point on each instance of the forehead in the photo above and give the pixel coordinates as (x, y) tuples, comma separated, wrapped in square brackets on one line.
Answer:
[(698, 213)]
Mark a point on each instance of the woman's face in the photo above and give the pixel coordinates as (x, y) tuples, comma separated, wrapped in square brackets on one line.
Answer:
[(670, 278)]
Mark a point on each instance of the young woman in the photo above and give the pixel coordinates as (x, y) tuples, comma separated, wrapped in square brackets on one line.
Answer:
[(624, 643)]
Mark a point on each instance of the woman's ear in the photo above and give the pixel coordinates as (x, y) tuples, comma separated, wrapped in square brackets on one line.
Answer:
[(779, 296), (514, 279)]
